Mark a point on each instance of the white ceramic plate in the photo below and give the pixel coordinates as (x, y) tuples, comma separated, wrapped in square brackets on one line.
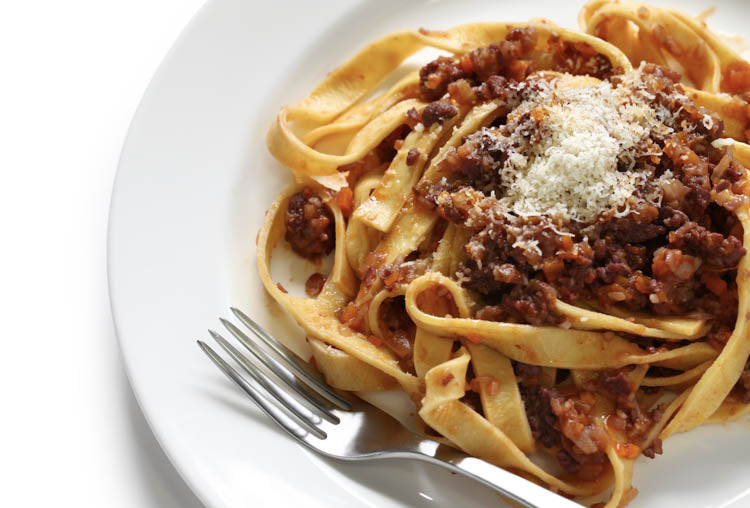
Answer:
[(193, 183)]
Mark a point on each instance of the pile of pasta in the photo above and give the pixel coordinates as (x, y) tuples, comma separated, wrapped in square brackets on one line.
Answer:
[(387, 225)]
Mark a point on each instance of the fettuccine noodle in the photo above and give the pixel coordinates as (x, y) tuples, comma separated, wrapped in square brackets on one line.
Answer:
[(539, 237)]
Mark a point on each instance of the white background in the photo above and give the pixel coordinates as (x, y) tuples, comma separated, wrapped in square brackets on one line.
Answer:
[(71, 75)]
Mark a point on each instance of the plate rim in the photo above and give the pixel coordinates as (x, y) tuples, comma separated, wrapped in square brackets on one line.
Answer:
[(195, 487)]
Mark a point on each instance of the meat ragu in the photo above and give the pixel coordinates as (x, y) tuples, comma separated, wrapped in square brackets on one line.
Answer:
[(668, 250), (314, 284), (562, 419), (309, 225), (591, 184), (398, 332)]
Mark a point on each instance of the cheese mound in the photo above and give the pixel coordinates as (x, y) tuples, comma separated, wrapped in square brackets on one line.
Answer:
[(572, 145)]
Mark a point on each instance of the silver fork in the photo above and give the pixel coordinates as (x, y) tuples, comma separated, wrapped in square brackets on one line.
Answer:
[(323, 421)]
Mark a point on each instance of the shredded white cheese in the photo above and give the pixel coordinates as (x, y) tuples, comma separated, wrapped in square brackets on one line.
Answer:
[(584, 130), (722, 143)]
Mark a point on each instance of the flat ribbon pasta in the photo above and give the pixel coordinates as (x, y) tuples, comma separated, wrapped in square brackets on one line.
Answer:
[(317, 316), (346, 372), (468, 377), (546, 346), (441, 408), (667, 37)]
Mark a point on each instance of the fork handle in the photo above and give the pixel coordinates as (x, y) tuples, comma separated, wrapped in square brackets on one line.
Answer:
[(518, 489)]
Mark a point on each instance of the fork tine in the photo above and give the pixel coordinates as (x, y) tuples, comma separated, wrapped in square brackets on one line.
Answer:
[(290, 422), (275, 366), (280, 370), (302, 408)]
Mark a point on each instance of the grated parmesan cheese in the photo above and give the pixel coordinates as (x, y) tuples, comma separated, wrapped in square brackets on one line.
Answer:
[(722, 143), (584, 132)]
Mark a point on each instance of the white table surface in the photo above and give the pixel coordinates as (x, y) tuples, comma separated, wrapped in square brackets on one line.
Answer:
[(72, 73)]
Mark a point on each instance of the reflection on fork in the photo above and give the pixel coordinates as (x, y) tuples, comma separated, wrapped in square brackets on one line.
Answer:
[(348, 429)]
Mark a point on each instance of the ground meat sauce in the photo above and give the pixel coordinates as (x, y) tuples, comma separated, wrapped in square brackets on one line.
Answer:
[(532, 304), (397, 328), (736, 77), (309, 225), (477, 74), (438, 111), (314, 284), (566, 423), (635, 424), (542, 419), (527, 375), (399, 331), (412, 156), (562, 418), (578, 58), (674, 257)]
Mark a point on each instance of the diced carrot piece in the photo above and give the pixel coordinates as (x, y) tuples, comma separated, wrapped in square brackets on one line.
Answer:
[(627, 450), (714, 283), (466, 64), (345, 200), (474, 339)]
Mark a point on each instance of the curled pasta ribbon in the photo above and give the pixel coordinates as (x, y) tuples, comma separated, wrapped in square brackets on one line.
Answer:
[(688, 376), (670, 38), (498, 389), (337, 124), (684, 327), (380, 210), (442, 408), (346, 372), (732, 110), (361, 239), (333, 108), (728, 412), (317, 316), (547, 346), (500, 397), (379, 198), (584, 319)]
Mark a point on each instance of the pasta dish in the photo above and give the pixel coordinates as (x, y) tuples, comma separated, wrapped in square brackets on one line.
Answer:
[(540, 236)]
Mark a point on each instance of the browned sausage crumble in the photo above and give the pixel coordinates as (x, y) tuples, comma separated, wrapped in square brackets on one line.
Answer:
[(674, 257), (309, 225), (314, 284), (476, 72), (563, 418)]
